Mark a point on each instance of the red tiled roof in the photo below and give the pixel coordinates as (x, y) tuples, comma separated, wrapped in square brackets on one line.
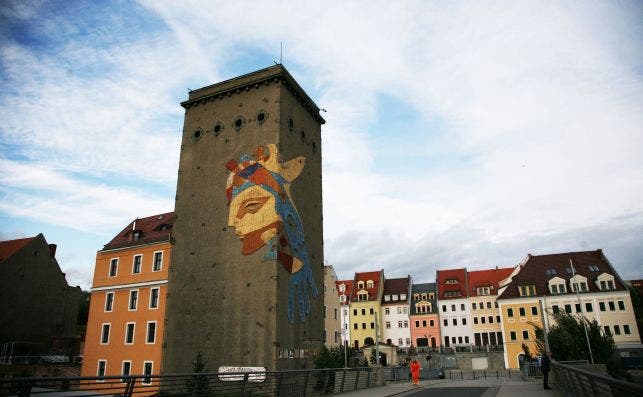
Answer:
[(450, 274), (153, 228), (365, 276), (396, 286), (534, 272), (348, 292), (10, 247), (487, 278)]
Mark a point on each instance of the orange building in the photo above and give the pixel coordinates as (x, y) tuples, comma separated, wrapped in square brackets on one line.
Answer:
[(127, 309)]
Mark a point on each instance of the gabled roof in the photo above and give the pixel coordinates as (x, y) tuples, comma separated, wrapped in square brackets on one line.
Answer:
[(460, 275), (487, 278), (373, 293), (152, 229), (396, 286), (535, 272), (10, 247)]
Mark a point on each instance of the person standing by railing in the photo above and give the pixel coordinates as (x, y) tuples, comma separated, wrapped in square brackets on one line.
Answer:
[(545, 366), (415, 372)]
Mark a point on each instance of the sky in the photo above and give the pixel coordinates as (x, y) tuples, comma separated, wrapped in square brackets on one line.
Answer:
[(457, 133)]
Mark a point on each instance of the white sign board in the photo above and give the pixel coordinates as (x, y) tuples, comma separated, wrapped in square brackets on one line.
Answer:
[(236, 374)]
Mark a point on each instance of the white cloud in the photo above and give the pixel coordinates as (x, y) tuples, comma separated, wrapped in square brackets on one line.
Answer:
[(544, 102)]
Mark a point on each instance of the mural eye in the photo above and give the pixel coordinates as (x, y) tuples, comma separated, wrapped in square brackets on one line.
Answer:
[(253, 206)]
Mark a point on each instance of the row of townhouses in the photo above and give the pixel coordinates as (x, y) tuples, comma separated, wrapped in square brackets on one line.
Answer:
[(496, 307)]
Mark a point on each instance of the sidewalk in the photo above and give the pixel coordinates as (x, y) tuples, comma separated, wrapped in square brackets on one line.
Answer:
[(497, 387)]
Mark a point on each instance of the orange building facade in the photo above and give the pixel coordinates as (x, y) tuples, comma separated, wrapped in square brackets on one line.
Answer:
[(127, 309)]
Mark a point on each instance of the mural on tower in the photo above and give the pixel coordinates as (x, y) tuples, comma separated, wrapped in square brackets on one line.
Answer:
[(263, 214)]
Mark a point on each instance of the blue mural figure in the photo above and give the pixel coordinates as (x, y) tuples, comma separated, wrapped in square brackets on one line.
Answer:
[(263, 214)]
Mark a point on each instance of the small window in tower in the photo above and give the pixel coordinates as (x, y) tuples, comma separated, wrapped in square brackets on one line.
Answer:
[(302, 135), (238, 123), (261, 117), (291, 124), (196, 135), (218, 127), (314, 148)]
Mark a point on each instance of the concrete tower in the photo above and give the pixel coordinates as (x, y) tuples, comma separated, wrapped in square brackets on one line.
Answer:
[(246, 283)]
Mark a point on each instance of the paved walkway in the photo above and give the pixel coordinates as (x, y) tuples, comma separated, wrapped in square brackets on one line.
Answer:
[(497, 388)]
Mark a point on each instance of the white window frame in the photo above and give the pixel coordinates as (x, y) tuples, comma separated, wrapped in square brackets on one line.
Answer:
[(123, 369), (133, 333), (106, 300), (109, 269), (147, 332), (151, 372), (154, 261), (102, 332), (158, 298), (102, 360), (129, 300), (140, 269)]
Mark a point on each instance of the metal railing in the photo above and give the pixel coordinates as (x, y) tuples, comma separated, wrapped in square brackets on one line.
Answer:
[(317, 382), (580, 382), (393, 374)]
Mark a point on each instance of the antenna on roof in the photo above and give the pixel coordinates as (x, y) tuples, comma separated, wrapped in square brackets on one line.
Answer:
[(281, 52)]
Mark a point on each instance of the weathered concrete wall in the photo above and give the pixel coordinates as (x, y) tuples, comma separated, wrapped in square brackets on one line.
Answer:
[(233, 307)]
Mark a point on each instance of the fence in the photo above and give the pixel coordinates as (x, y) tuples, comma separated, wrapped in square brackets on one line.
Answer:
[(392, 374), (579, 382), (282, 383)]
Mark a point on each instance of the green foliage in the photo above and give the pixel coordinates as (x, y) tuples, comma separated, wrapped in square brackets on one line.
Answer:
[(334, 357), (373, 358), (198, 385), (528, 356), (567, 342)]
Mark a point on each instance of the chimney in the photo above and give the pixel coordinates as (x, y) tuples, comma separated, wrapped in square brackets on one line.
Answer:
[(52, 250)]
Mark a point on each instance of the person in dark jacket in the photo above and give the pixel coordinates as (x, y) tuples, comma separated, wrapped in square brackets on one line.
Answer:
[(545, 366)]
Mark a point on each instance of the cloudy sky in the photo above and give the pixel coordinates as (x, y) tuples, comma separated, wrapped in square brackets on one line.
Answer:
[(458, 133)]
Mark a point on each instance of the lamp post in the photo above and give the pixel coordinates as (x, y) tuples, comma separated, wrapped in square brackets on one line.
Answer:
[(344, 332), (576, 286)]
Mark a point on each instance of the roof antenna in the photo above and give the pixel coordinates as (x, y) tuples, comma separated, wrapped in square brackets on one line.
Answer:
[(281, 52)]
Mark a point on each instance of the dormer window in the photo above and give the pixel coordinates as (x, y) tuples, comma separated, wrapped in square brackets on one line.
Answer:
[(369, 284), (342, 287), (605, 282), (593, 268), (578, 283), (362, 296), (483, 291), (395, 297), (557, 286), (424, 296), (431, 295), (551, 272), (342, 298), (163, 226), (360, 284), (451, 294), (416, 297), (137, 235), (387, 298), (451, 281), (527, 290), (402, 297)]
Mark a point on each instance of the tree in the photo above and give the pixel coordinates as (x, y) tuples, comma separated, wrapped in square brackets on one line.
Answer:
[(567, 342), (333, 357), (198, 385)]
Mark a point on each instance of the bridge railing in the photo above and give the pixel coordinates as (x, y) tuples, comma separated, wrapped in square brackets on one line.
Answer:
[(580, 382), (317, 382)]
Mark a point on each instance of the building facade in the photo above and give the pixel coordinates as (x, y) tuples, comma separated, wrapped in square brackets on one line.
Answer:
[(344, 291), (583, 283), (455, 309), (396, 329), (36, 303), (423, 316), (332, 309), (248, 230), (486, 321), (128, 300), (365, 308)]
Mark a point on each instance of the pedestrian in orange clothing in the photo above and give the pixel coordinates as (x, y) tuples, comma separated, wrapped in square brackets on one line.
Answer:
[(415, 372)]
